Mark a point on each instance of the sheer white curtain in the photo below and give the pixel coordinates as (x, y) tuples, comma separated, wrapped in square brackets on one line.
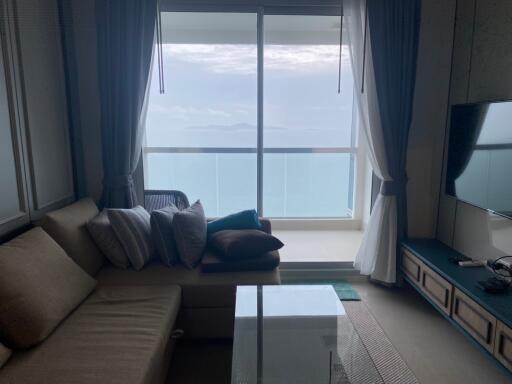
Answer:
[(377, 255)]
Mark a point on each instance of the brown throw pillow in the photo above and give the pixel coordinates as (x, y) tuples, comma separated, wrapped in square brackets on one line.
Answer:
[(40, 286), (211, 263), (234, 245), (105, 238)]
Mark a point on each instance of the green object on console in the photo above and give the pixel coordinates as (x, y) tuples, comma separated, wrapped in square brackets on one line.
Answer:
[(241, 220)]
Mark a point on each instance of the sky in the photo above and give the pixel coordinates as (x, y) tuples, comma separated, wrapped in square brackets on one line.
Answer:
[(210, 97)]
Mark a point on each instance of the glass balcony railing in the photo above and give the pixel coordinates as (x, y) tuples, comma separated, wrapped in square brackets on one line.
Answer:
[(297, 182)]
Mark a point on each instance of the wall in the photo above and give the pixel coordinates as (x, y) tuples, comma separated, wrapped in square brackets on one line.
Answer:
[(36, 173), (429, 115), (481, 71), (45, 108)]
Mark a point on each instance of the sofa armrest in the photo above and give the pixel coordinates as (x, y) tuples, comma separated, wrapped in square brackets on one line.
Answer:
[(266, 226)]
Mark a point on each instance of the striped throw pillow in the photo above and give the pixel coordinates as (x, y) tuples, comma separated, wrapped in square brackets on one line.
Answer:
[(133, 230)]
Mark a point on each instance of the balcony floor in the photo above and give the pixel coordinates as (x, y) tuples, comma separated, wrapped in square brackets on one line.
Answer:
[(319, 245)]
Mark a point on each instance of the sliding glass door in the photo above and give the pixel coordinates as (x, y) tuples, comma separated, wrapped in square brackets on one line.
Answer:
[(248, 122), (308, 130)]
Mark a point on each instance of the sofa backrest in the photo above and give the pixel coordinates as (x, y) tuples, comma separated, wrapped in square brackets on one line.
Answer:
[(67, 226)]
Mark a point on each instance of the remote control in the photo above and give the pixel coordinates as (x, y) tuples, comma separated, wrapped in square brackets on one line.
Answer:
[(472, 263)]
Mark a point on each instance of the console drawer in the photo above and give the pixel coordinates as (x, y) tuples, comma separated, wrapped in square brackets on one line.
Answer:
[(503, 345), (474, 319), (411, 266), (436, 288)]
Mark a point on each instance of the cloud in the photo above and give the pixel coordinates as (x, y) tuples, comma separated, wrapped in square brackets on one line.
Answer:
[(231, 127), (185, 113), (241, 58), (219, 58)]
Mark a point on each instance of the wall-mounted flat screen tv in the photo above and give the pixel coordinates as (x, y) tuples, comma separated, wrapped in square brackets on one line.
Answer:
[(479, 167)]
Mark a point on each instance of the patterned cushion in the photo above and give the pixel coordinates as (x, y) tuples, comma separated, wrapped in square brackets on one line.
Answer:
[(105, 238), (162, 234), (189, 228), (133, 230)]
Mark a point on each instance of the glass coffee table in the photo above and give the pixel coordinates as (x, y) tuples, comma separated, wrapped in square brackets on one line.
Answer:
[(296, 334)]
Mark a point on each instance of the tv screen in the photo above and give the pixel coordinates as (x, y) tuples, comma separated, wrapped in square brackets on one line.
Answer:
[(479, 168)]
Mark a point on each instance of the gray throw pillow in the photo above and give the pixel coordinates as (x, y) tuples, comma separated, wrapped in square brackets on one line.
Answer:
[(189, 227), (133, 230), (5, 353), (162, 234), (105, 238)]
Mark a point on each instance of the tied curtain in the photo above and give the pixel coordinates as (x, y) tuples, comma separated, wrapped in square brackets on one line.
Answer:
[(126, 35), (383, 43)]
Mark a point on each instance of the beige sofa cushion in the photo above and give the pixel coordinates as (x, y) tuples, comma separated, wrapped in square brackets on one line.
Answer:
[(117, 336), (199, 289), (5, 353), (67, 226), (39, 287)]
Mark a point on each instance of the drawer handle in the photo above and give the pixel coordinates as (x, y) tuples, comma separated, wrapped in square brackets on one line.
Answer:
[(489, 333), (501, 346)]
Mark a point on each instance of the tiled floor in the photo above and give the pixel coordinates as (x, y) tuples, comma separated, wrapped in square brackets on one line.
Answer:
[(315, 245)]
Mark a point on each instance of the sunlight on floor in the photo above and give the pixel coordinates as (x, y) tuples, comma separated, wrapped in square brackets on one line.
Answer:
[(300, 246)]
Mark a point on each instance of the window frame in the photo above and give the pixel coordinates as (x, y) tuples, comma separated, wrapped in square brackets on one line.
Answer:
[(357, 150)]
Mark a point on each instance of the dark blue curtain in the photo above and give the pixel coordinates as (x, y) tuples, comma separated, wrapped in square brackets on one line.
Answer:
[(393, 31), (126, 30), (73, 97)]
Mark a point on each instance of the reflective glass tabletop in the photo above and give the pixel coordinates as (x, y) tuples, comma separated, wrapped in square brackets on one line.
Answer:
[(296, 334)]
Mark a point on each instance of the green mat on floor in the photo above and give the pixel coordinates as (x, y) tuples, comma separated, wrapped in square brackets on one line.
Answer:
[(343, 289)]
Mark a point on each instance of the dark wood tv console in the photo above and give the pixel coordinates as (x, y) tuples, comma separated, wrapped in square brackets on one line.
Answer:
[(485, 318)]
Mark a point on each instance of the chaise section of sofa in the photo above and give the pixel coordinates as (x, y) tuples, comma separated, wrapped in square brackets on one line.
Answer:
[(208, 299)]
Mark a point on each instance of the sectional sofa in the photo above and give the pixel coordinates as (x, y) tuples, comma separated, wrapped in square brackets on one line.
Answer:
[(125, 330)]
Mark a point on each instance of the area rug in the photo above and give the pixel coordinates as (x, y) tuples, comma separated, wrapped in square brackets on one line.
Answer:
[(386, 358), (344, 290)]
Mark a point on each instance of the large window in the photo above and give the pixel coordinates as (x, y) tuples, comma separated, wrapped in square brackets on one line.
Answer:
[(202, 133)]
